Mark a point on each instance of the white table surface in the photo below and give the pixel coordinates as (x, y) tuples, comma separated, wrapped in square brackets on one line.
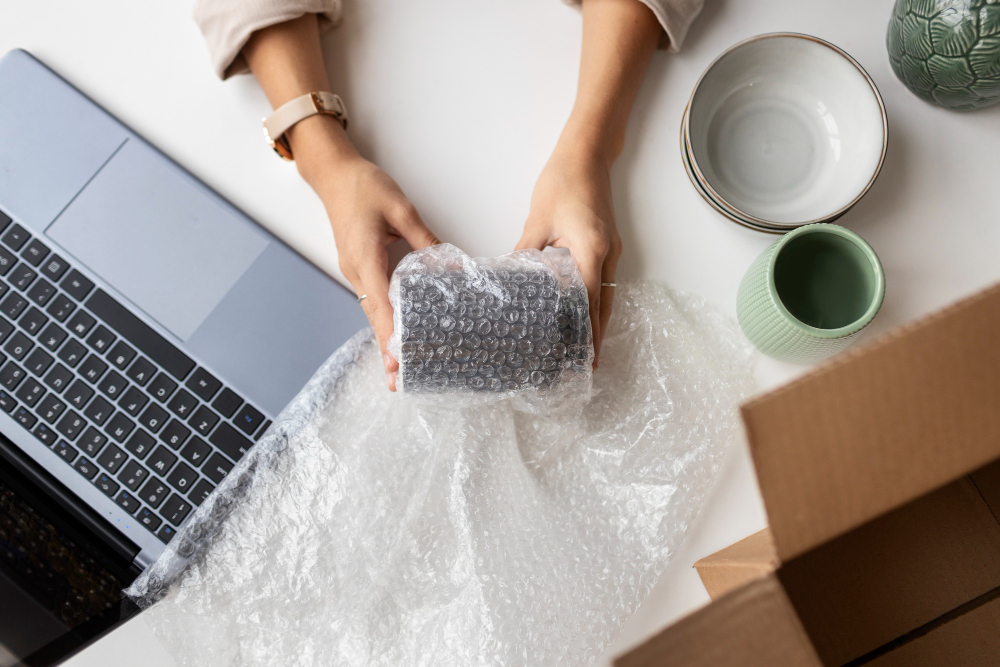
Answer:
[(462, 101)]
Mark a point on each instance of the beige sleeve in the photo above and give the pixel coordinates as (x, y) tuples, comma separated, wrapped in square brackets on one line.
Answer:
[(675, 16), (228, 24)]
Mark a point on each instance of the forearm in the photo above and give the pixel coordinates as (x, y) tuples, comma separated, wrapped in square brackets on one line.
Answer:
[(619, 38), (288, 62)]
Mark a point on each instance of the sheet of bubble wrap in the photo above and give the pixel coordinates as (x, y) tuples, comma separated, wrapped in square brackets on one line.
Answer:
[(370, 528)]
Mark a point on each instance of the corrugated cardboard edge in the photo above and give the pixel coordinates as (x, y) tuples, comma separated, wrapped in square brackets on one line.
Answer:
[(753, 626), (729, 568), (846, 442)]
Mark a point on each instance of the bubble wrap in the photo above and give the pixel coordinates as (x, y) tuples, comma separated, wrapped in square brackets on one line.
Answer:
[(369, 528), (480, 329)]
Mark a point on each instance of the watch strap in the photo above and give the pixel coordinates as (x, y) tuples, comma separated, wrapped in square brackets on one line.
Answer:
[(296, 110)]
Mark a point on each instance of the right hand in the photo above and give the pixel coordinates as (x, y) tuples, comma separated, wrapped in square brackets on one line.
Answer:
[(368, 211)]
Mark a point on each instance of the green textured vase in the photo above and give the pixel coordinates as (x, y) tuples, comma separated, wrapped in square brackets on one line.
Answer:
[(947, 51), (810, 294)]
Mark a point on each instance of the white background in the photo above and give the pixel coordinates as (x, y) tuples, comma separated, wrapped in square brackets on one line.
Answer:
[(461, 103)]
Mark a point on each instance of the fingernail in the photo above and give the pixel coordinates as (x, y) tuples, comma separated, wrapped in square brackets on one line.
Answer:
[(387, 361), (388, 380)]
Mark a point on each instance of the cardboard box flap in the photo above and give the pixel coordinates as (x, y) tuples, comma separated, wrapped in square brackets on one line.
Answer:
[(754, 626), (879, 425), (730, 568)]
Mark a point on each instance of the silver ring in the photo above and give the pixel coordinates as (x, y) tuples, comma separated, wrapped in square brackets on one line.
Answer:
[(362, 298), (609, 285)]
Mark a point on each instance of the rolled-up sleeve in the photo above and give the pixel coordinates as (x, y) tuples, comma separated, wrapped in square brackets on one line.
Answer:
[(228, 24), (675, 16)]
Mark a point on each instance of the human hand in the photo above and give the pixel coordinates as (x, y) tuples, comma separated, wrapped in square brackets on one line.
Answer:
[(368, 211), (571, 208)]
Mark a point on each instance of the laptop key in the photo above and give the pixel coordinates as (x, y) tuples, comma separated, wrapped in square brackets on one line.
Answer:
[(162, 387), (98, 411), (227, 402), (140, 443), (72, 352), (85, 468), (51, 408), (217, 467), (4, 221), (61, 307), (24, 418), (154, 492), (41, 292), (200, 492), (182, 478), (196, 451), (77, 285), (70, 425), (30, 391), (92, 441), (121, 355), (55, 266), (48, 436), (175, 510), (21, 276), (154, 417), (132, 401), (19, 345), (33, 321), (6, 328), (161, 460), (13, 305), (68, 452), (141, 371), (52, 336), (133, 475), (112, 458), (166, 533), (35, 252), (11, 375), (38, 361), (230, 441), (262, 430), (119, 427), (16, 237), (182, 404), (7, 402), (107, 485), (101, 339), (175, 434), (248, 419), (79, 393), (113, 385), (7, 261), (81, 323), (93, 368), (58, 378), (203, 420), (148, 519), (128, 502), (203, 384)]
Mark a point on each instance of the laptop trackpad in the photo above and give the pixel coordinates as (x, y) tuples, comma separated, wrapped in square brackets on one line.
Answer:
[(155, 235)]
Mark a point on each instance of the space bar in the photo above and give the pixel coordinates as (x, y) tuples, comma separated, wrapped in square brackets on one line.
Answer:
[(140, 334)]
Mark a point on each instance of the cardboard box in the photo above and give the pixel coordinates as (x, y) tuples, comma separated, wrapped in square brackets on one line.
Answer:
[(880, 473)]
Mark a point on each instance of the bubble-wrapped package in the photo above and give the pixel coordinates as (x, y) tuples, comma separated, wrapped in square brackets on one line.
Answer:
[(486, 328), (371, 528)]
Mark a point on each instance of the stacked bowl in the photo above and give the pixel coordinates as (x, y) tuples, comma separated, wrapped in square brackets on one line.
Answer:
[(783, 130)]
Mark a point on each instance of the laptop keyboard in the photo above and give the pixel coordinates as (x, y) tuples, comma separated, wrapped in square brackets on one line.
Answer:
[(117, 401)]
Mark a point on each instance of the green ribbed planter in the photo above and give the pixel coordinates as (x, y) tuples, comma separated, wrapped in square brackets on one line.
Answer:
[(947, 51)]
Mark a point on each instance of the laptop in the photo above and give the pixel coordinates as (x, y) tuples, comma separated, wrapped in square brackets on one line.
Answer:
[(149, 333)]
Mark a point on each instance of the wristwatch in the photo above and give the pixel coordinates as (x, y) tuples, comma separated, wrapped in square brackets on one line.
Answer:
[(298, 109)]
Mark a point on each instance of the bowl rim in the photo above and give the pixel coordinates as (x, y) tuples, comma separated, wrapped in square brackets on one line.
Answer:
[(877, 298), (686, 128)]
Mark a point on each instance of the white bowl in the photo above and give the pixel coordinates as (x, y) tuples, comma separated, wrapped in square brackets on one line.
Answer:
[(786, 129)]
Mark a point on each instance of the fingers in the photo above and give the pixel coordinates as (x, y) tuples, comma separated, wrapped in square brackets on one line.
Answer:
[(534, 236), (607, 292), (374, 283), (411, 227), (590, 262)]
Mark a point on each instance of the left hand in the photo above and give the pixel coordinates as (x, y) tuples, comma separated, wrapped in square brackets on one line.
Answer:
[(571, 208)]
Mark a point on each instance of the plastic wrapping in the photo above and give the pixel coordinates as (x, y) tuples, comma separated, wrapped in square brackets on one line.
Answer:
[(369, 528), (479, 329)]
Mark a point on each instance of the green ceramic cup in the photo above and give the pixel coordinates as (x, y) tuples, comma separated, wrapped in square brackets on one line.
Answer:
[(810, 293)]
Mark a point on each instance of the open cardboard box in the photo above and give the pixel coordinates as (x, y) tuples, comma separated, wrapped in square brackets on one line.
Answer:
[(881, 479)]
